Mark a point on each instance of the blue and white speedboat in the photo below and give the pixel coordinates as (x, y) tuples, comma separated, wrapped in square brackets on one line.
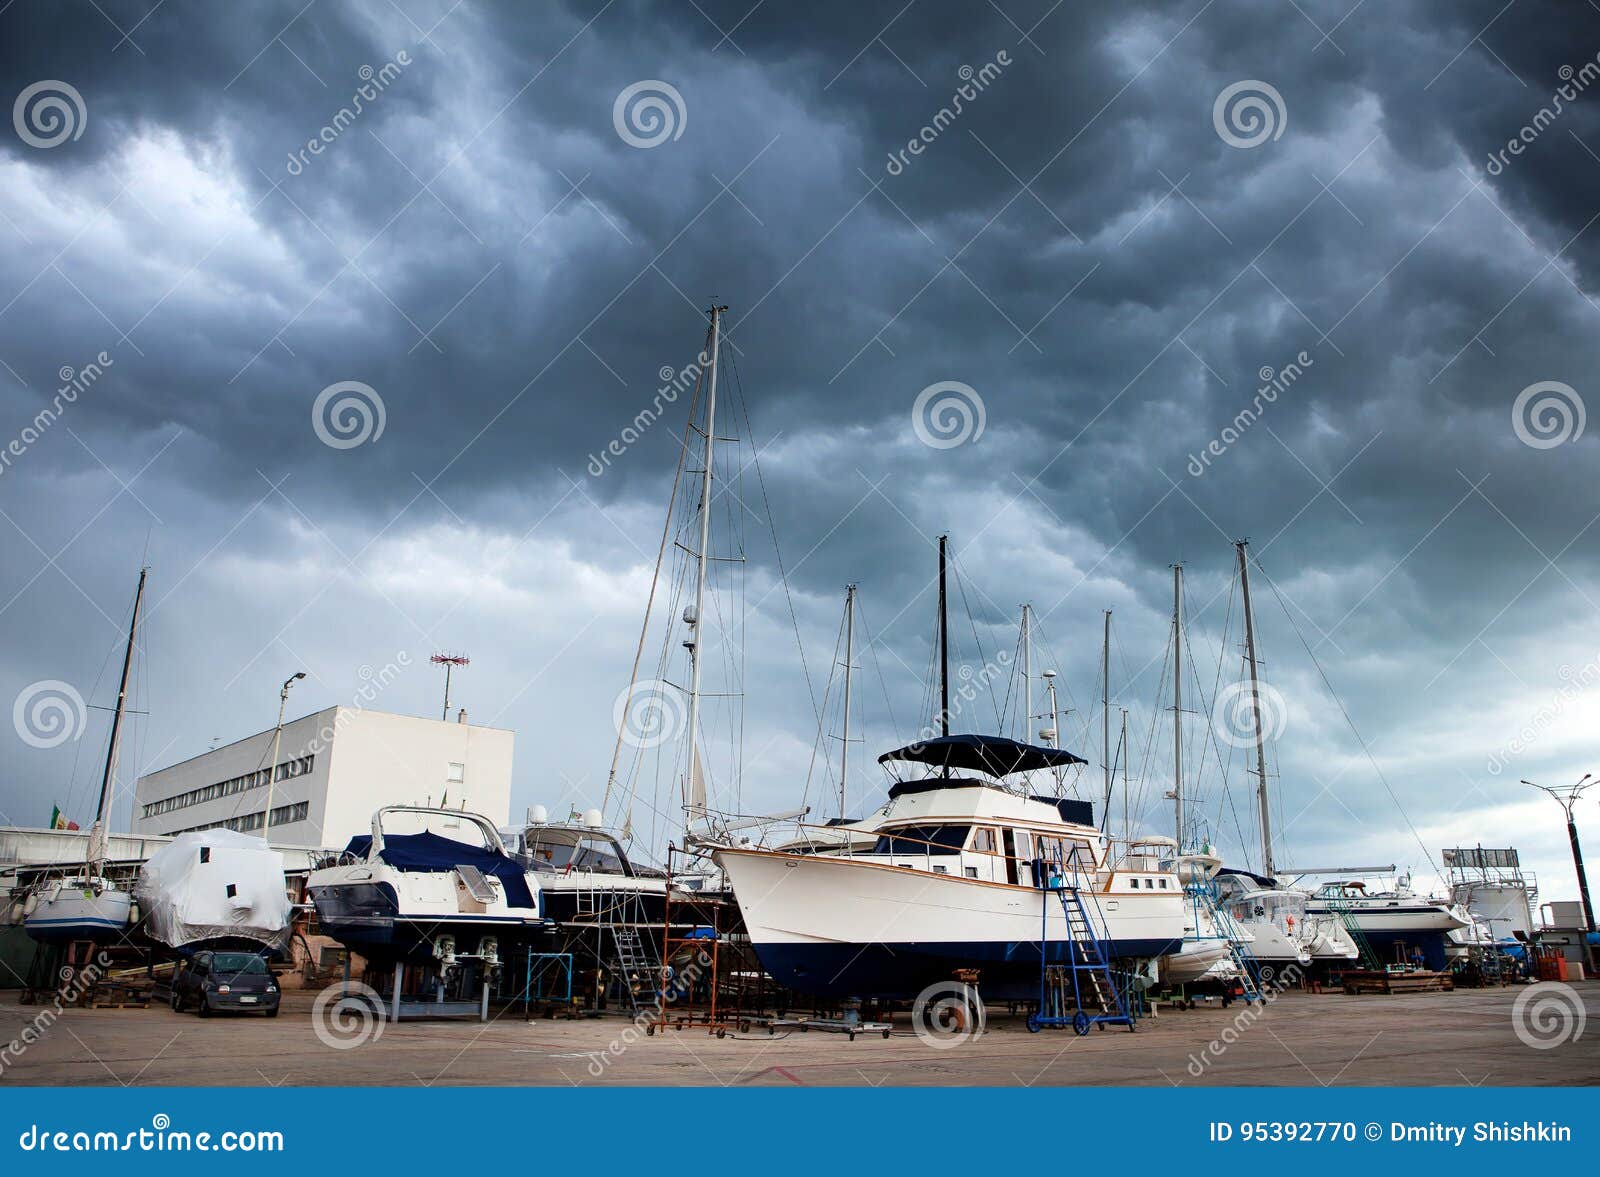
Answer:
[(427, 884), (949, 883)]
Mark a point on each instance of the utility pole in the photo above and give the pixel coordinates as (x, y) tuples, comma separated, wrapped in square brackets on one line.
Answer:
[(1567, 797), (1255, 711), (277, 738)]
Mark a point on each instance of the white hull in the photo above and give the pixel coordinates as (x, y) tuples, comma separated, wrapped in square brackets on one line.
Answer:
[(854, 927), (79, 909)]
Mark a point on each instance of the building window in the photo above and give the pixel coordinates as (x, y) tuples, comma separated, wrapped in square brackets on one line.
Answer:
[(456, 774)]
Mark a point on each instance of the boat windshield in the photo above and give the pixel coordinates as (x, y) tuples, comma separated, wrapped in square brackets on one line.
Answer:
[(238, 963), (944, 839), (563, 850)]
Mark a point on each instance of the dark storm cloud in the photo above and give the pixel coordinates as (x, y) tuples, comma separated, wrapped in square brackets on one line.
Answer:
[(1080, 245)]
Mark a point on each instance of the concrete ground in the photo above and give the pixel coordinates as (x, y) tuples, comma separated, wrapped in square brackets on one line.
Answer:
[(1461, 1038)]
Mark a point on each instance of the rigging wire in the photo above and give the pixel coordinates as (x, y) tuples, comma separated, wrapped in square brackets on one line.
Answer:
[(1282, 604)]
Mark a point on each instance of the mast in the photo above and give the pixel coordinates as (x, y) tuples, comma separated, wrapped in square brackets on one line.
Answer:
[(944, 649), (1027, 676), (694, 785), (1105, 705), (849, 658), (1255, 711), (1177, 700), (102, 821), (1127, 831)]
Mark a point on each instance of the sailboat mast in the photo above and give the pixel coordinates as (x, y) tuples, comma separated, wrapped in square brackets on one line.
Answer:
[(1105, 705), (1127, 828), (694, 786), (102, 821), (849, 659), (1177, 700), (1027, 676), (944, 648), (1255, 711)]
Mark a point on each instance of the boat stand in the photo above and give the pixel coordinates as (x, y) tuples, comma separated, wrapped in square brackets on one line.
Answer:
[(399, 1008), (850, 1024)]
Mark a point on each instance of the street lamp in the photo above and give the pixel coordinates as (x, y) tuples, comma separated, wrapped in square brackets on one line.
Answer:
[(1567, 798), (277, 736)]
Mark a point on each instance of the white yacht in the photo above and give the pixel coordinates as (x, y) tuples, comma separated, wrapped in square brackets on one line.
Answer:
[(956, 878), (1401, 926), (1274, 916), (585, 876), (427, 884)]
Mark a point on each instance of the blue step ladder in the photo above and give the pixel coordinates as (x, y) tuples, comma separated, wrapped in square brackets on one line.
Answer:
[(1096, 999)]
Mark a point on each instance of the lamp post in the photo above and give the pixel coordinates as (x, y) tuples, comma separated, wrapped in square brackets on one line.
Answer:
[(1567, 798), (277, 737)]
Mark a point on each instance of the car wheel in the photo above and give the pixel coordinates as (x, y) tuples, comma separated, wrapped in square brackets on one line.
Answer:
[(273, 1012), (176, 1003), (203, 1008)]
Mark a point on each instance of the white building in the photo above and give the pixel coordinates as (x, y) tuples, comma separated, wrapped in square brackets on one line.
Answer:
[(334, 769)]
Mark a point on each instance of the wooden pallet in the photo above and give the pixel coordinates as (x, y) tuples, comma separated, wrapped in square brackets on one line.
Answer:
[(1376, 982)]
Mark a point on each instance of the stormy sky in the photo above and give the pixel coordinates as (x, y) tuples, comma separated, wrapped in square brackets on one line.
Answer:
[(1203, 270)]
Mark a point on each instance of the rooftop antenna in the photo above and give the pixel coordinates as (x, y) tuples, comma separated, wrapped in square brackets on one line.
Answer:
[(449, 662)]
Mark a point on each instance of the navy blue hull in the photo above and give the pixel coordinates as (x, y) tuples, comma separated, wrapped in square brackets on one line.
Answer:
[(904, 970), (365, 919), (1395, 945)]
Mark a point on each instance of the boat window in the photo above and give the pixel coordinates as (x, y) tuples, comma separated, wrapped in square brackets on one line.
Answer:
[(972, 872), (983, 840), (1024, 844), (1134, 883), (917, 839)]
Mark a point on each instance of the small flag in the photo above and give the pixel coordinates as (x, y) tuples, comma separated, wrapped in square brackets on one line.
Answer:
[(58, 820)]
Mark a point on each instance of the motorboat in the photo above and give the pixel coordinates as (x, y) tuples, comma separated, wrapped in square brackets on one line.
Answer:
[(1274, 916), (428, 884), (585, 876), (958, 877), (1401, 926), (215, 889)]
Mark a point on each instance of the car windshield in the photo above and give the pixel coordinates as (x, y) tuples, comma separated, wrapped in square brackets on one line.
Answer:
[(237, 962)]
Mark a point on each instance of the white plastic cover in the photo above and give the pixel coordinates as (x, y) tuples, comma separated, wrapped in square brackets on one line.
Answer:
[(211, 884)]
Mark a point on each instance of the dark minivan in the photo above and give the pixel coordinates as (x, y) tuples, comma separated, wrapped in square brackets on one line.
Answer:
[(217, 981)]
